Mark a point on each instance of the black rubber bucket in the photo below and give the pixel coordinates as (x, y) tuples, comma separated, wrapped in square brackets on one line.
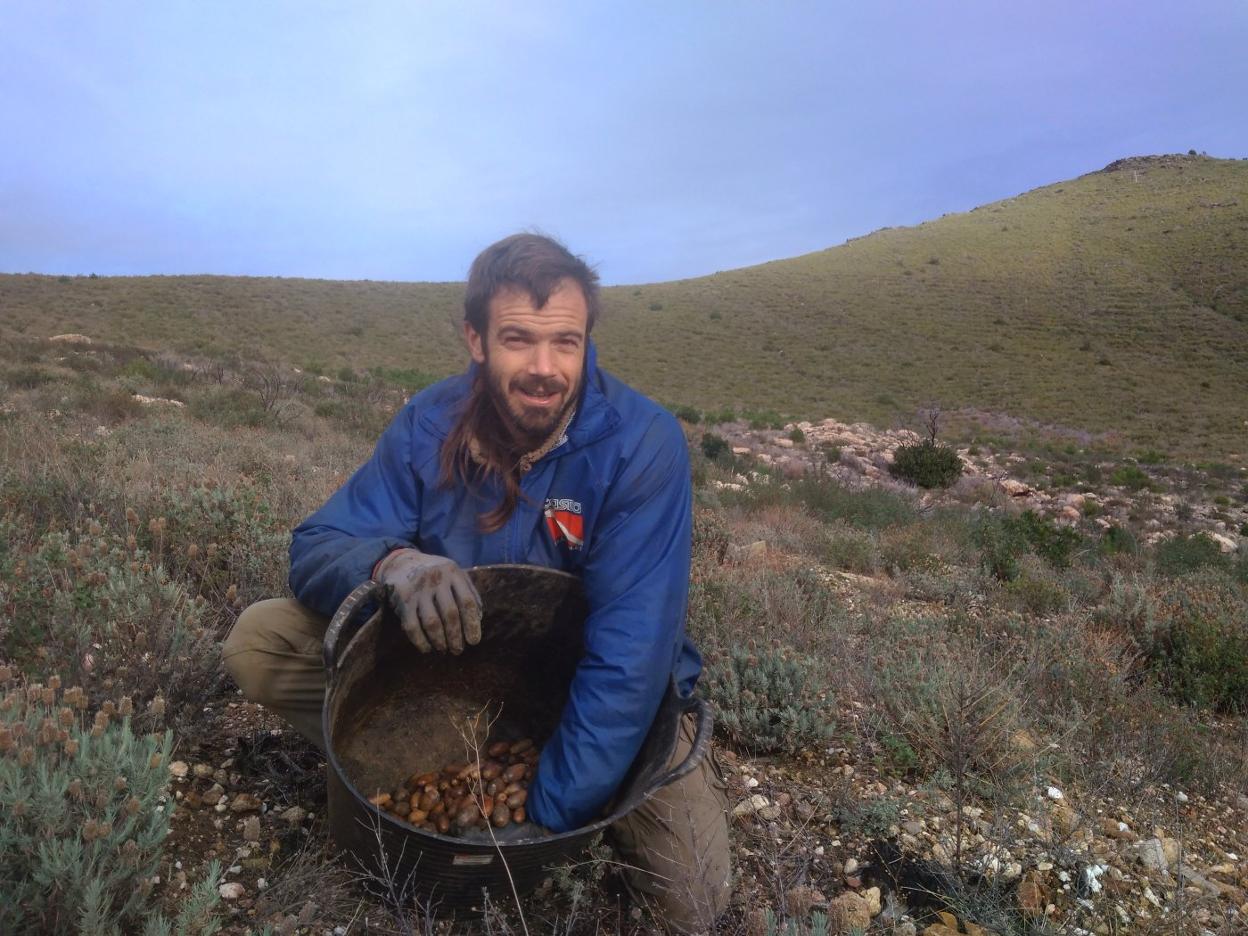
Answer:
[(391, 712)]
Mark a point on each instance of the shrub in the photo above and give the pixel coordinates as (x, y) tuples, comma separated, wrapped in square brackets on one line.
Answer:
[(1184, 554), (831, 452), (926, 464), (796, 436), (768, 700), (102, 609), (230, 408), (82, 825), (656, 307), (849, 548), (796, 607), (1118, 539), (1131, 477), (1037, 588), (715, 447), (1195, 636), (710, 537), (27, 378), (766, 419), (1002, 540), (687, 414), (870, 508)]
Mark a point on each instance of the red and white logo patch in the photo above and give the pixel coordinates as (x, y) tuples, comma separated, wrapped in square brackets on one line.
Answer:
[(564, 520)]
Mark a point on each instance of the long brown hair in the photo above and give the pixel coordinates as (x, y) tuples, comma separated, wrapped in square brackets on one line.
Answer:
[(479, 447)]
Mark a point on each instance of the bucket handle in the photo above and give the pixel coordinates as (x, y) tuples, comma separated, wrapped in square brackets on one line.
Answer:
[(343, 626), (701, 743)]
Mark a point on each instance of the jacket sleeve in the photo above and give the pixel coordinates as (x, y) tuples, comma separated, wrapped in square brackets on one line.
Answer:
[(636, 578), (376, 511)]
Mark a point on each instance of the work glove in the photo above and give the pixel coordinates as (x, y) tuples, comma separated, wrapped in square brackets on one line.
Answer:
[(434, 599)]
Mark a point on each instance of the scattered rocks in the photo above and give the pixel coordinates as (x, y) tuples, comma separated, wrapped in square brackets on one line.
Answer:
[(179, 769), (232, 890)]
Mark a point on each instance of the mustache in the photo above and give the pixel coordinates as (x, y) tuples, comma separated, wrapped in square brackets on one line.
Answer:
[(541, 387)]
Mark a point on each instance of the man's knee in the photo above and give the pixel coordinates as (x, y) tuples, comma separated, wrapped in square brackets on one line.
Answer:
[(271, 637)]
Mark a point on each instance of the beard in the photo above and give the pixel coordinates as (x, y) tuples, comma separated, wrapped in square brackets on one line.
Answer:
[(529, 426)]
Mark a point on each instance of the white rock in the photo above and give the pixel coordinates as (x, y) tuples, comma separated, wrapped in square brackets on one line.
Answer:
[(851, 865), (1053, 793), (1181, 796), (232, 890), (752, 782), (1225, 543), (179, 769)]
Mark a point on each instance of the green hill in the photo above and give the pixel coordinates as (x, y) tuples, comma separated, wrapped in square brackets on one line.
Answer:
[(1115, 303)]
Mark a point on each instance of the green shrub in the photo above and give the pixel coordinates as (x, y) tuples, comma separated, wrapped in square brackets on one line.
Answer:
[(686, 414), (1037, 589), (1195, 637), (1118, 539), (409, 379), (1131, 477), (870, 508), (230, 408), (82, 822), (717, 417), (831, 452), (926, 464), (796, 436), (103, 609), (850, 548), (656, 307), (1002, 540), (710, 537), (715, 447), (764, 419), (818, 925), (27, 378), (768, 700), (1184, 554)]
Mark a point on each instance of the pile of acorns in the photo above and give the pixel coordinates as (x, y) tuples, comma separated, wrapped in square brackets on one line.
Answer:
[(463, 797)]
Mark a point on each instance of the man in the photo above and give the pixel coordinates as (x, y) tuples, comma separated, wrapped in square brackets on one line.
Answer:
[(537, 456)]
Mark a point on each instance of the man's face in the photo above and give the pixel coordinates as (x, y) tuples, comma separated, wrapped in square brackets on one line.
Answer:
[(534, 359)]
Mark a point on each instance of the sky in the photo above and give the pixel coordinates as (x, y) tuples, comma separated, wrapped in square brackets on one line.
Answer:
[(393, 141)]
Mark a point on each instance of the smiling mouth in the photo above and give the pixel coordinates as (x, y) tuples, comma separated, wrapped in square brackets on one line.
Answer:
[(538, 398)]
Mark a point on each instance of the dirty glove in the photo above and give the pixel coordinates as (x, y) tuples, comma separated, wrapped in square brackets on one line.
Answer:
[(434, 599)]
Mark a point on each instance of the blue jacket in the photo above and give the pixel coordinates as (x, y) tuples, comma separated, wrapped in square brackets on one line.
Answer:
[(625, 467)]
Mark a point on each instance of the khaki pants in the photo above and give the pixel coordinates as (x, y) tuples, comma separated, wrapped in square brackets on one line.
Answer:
[(675, 844)]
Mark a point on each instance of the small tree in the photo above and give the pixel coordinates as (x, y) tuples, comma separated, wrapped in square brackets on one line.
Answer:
[(927, 464)]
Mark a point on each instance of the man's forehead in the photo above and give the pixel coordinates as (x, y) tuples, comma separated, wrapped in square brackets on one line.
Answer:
[(565, 309)]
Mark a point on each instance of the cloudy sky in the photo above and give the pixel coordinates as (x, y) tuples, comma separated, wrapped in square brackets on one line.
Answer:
[(394, 140)]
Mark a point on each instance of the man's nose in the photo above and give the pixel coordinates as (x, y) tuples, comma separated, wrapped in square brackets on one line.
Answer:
[(542, 362)]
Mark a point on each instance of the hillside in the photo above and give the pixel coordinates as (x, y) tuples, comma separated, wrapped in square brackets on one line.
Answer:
[(1115, 303)]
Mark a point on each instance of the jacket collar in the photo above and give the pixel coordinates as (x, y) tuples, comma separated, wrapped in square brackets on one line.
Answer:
[(595, 416)]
